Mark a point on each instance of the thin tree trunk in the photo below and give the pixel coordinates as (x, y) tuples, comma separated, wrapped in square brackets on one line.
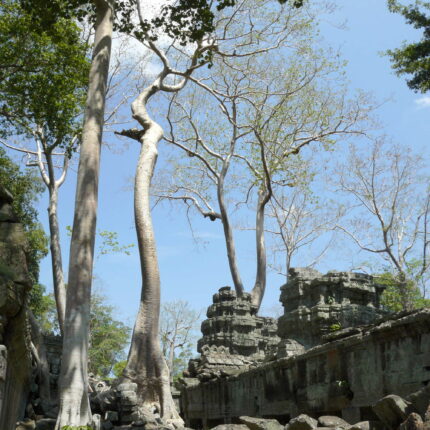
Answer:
[(228, 233), (57, 264), (74, 403), (171, 359), (260, 279)]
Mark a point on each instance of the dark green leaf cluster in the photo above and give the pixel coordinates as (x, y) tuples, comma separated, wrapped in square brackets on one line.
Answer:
[(414, 58), (43, 75), (25, 187), (108, 337)]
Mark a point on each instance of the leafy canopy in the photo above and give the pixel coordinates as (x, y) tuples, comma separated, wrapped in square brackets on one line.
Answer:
[(43, 76), (413, 58)]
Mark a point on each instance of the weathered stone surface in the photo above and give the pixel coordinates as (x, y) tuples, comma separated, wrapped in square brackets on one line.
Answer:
[(355, 372), (367, 425), (302, 422), (392, 410), (45, 424), (26, 425), (111, 416), (413, 422), (420, 400), (332, 421), (128, 398), (316, 305), (234, 338), (230, 427), (15, 283), (127, 386), (261, 423), (107, 425)]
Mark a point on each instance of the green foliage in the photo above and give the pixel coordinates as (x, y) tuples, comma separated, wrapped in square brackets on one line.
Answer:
[(108, 337), (118, 368), (413, 58), (110, 244), (44, 309), (25, 188), (335, 327), (43, 76), (396, 293)]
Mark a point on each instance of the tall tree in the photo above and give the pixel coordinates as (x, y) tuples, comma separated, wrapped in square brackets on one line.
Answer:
[(413, 59), (178, 323), (146, 365), (51, 69), (262, 122), (379, 186)]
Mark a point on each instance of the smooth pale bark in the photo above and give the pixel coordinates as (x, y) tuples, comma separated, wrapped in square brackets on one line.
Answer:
[(257, 292), (57, 264), (74, 403), (54, 230), (228, 232), (146, 365)]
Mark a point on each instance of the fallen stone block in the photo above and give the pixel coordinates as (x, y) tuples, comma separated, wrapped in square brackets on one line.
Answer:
[(230, 427), (392, 410), (302, 422), (128, 398), (420, 400), (46, 424), (413, 422), (261, 423), (127, 386), (367, 425), (332, 421)]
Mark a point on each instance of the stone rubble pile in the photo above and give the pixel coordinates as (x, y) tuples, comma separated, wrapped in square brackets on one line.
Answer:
[(392, 411)]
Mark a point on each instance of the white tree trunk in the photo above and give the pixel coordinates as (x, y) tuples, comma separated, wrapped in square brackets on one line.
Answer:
[(257, 292), (146, 365), (228, 232), (74, 404), (57, 264)]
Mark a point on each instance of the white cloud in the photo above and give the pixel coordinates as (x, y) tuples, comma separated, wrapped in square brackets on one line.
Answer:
[(423, 102)]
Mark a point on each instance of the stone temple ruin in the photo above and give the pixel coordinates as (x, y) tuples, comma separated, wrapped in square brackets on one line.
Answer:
[(337, 353), (234, 337), (316, 305)]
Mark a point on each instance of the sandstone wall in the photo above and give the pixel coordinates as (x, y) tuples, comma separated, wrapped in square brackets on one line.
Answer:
[(15, 358), (344, 376)]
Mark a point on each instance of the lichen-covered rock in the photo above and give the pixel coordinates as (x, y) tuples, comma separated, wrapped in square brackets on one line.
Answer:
[(392, 410), (302, 422), (261, 423), (332, 421)]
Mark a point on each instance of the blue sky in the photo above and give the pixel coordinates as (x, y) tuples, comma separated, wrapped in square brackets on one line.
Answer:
[(194, 272)]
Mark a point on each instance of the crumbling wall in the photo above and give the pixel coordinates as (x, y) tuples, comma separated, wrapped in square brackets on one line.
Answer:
[(344, 376), (15, 358)]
